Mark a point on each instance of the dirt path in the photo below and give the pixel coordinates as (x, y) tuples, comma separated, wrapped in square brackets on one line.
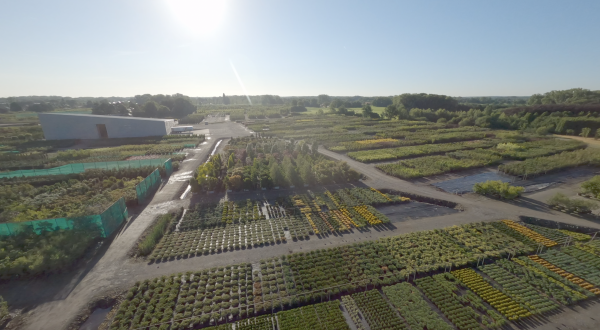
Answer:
[(115, 270), (590, 141)]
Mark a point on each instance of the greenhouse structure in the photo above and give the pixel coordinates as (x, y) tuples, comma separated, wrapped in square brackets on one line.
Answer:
[(61, 126)]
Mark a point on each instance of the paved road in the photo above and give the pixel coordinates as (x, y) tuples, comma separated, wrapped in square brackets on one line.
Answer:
[(477, 208), (114, 270)]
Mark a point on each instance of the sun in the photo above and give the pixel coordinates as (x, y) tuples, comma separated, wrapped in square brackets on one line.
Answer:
[(199, 17)]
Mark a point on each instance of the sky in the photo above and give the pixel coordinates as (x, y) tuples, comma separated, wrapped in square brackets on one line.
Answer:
[(297, 48)]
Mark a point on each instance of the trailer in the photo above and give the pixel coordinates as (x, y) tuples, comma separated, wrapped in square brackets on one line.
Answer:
[(181, 129)]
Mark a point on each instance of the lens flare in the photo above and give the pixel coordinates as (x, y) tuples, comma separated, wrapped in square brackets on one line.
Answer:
[(199, 17)]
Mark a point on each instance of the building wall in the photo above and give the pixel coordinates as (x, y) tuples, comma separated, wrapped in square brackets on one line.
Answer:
[(61, 127)]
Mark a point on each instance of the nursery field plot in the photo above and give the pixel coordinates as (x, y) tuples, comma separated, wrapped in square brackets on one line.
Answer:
[(545, 281), (229, 226), (413, 308), (355, 317), (530, 234), (465, 311), (451, 247), (573, 265), (319, 316), (436, 165), (493, 296), (231, 237), (413, 210), (415, 151), (519, 290), (507, 290), (541, 262), (342, 269), (552, 234), (415, 138), (377, 312), (465, 184), (186, 299)]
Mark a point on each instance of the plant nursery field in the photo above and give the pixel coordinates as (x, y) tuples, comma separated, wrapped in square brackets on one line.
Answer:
[(68, 196), (266, 163), (231, 226), (563, 155), (41, 154), (478, 276)]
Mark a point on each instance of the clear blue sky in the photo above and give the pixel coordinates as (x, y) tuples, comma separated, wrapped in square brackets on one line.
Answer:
[(461, 48)]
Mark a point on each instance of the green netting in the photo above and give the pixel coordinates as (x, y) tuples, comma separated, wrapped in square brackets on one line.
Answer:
[(169, 167), (104, 223), (148, 186), (113, 217), (188, 145), (81, 167)]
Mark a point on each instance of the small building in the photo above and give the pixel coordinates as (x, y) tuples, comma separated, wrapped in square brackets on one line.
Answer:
[(62, 126)]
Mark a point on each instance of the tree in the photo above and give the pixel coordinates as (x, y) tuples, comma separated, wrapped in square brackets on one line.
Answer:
[(498, 189), (342, 111), (150, 109), (426, 101), (367, 111), (391, 111), (291, 173), (306, 173), (15, 107), (592, 186), (182, 107), (323, 99), (382, 101), (163, 112), (320, 112), (230, 162), (103, 108), (41, 107), (277, 175), (234, 182), (267, 99), (467, 122), (586, 131), (120, 109)]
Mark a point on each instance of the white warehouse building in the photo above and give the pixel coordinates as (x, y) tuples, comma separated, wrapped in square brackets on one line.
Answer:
[(62, 126)]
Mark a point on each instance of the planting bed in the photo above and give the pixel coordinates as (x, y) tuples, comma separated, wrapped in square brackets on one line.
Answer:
[(413, 308), (272, 290), (230, 226)]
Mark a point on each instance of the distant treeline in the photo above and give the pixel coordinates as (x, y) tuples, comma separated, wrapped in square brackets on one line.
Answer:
[(551, 108)]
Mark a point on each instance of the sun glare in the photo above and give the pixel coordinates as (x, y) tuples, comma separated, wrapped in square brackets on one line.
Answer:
[(199, 17)]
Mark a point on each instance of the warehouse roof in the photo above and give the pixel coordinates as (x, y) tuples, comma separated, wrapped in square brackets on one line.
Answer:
[(100, 116)]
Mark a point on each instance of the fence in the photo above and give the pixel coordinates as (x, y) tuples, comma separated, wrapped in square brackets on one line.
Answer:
[(148, 186), (81, 167), (105, 223)]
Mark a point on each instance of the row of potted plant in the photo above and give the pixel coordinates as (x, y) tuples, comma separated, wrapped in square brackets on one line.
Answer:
[(496, 298), (555, 288), (573, 265), (530, 233), (377, 312), (519, 290), (570, 277), (413, 308)]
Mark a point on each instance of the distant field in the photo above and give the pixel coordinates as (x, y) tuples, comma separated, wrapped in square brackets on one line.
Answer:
[(378, 110)]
